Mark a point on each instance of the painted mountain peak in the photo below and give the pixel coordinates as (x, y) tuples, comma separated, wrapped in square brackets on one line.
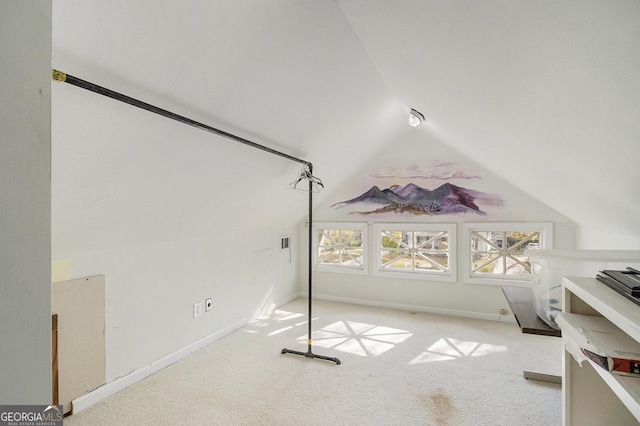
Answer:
[(413, 199)]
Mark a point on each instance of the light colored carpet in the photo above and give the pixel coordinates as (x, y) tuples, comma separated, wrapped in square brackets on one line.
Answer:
[(398, 368)]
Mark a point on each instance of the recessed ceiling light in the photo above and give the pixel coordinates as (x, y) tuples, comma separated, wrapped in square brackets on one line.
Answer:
[(415, 118)]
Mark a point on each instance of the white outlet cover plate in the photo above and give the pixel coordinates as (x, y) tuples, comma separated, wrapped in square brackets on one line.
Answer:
[(197, 309)]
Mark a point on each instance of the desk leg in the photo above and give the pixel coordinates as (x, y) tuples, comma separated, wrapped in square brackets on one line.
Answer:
[(552, 378)]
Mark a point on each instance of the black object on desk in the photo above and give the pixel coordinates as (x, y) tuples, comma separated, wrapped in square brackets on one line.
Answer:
[(627, 283)]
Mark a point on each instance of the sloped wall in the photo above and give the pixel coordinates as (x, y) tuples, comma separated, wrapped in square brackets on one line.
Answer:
[(420, 158), (171, 216)]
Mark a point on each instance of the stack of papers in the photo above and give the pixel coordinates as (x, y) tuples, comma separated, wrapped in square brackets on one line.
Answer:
[(599, 340)]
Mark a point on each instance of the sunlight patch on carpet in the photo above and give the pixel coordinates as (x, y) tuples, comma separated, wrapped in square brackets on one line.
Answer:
[(358, 338), (447, 349), (277, 316), (280, 330)]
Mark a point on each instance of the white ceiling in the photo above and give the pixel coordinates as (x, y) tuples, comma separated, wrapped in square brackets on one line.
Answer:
[(546, 94)]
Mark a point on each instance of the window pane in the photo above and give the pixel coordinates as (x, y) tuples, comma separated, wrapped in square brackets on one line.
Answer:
[(502, 252), (433, 261), (352, 257), (486, 241), (416, 251), (396, 259), (484, 262), (340, 247), (329, 255)]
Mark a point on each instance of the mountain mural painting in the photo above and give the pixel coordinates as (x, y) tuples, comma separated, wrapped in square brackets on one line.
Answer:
[(412, 199)]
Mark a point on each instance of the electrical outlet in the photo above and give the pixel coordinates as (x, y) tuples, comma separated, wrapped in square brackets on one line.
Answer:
[(197, 309), (207, 304)]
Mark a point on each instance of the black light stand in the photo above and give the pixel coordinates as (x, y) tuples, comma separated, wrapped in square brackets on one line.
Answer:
[(309, 353), (66, 78)]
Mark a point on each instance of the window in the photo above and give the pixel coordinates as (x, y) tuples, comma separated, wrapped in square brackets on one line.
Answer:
[(416, 251), (340, 247), (495, 251)]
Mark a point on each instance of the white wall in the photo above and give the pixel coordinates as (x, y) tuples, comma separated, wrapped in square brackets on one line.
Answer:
[(25, 229), (421, 153), (151, 289), (554, 80), (597, 239), (171, 215)]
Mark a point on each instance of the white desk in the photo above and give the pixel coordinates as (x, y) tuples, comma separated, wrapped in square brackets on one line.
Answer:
[(591, 395)]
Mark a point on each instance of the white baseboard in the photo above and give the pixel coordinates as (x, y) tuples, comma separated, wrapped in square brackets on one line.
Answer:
[(286, 300), (108, 389), (415, 308)]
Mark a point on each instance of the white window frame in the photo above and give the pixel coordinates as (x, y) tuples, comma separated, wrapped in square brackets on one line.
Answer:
[(343, 269), (546, 242), (443, 276)]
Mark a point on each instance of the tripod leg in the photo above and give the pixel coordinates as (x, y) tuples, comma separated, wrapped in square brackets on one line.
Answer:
[(310, 354)]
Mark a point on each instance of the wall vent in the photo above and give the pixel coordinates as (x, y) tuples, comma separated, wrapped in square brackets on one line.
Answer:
[(285, 242)]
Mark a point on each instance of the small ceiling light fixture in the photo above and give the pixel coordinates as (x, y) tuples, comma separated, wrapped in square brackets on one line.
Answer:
[(415, 118)]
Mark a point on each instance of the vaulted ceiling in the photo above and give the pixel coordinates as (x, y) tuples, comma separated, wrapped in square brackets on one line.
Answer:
[(546, 94)]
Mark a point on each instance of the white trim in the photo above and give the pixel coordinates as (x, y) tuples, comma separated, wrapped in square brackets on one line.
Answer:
[(546, 242), (286, 300), (449, 276), (342, 269), (415, 308)]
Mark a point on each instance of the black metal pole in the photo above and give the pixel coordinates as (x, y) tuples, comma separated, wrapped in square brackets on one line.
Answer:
[(310, 260), (309, 353), (66, 78)]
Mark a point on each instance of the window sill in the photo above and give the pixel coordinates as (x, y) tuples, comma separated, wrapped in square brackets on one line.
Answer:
[(498, 282), (415, 276), (338, 270)]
